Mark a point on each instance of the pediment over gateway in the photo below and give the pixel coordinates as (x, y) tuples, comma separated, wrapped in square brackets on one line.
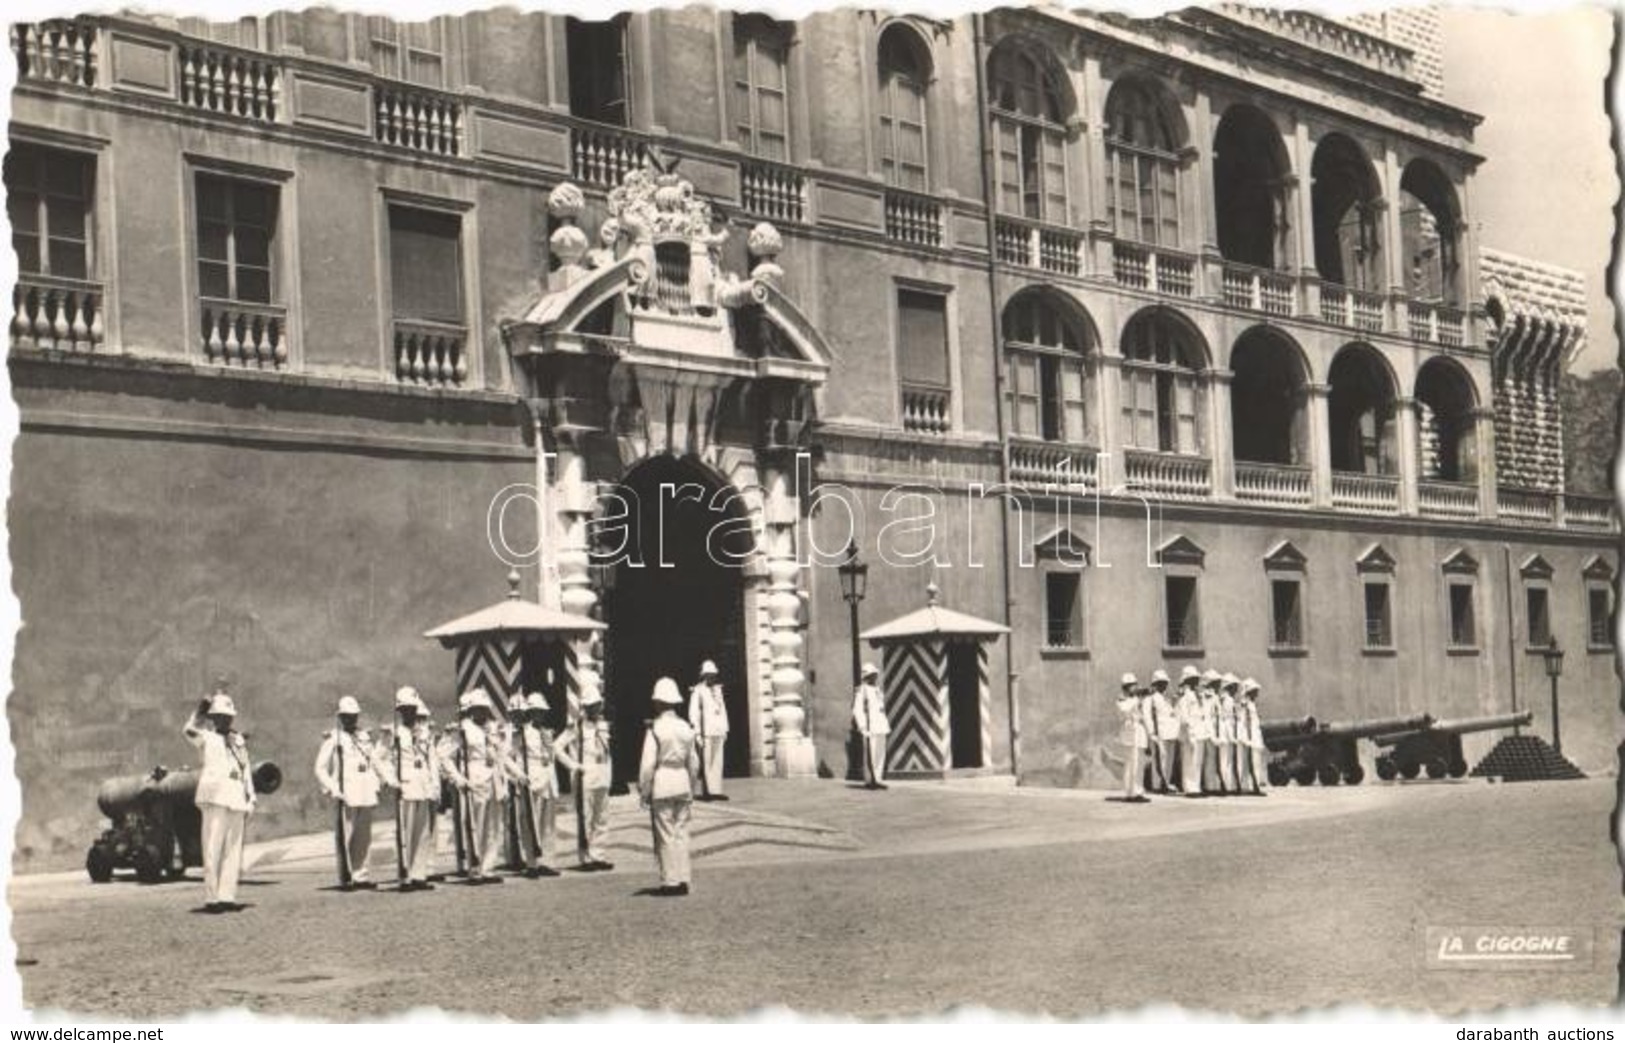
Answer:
[(647, 287)]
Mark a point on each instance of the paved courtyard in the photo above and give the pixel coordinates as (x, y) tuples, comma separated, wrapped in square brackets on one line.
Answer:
[(828, 899)]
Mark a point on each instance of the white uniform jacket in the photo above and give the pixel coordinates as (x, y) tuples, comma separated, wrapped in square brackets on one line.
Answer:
[(1165, 720), (537, 758), (1193, 719), (1249, 726), (869, 711), (1209, 708), (1227, 718), (419, 759), (1132, 732), (707, 712), (670, 761), (224, 777), (364, 767), (478, 759), (594, 765)]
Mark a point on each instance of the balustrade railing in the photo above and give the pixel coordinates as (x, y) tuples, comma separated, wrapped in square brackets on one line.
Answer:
[(1357, 309), (602, 156), (58, 51), (1435, 324), (1159, 271), (1029, 245), (56, 314), (1592, 513), (1370, 493), (430, 353), (420, 120), (1526, 506), (230, 82), (1447, 499), (914, 219), (926, 409), (1175, 476), (1013, 242), (253, 336), (1272, 483), (773, 191), (1258, 289), (1053, 463)]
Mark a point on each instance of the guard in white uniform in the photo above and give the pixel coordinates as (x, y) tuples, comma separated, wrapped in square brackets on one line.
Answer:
[(584, 750), (1225, 734), (1132, 735), (350, 769), (709, 716), (482, 767), (225, 797), (1209, 694), (1192, 732), (1253, 752), (666, 775), (869, 714), (415, 759), (541, 789), (1163, 728)]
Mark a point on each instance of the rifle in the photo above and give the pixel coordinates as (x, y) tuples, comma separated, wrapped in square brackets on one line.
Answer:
[(705, 782), (868, 749), (339, 840), (525, 795), (400, 832), (465, 801), (456, 820), (512, 816), (580, 785)]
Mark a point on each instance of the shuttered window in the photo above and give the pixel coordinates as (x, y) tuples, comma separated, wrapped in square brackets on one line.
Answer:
[(236, 223), (425, 264), (761, 86), (48, 199), (1029, 137), (904, 73), (922, 338)]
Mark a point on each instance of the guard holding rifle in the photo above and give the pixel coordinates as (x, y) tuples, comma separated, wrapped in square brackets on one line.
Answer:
[(417, 769), (869, 714), (225, 796), (585, 752), (350, 770), (480, 769), (539, 786), (709, 716)]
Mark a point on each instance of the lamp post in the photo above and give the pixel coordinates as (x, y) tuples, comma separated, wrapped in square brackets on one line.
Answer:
[(854, 575), (1554, 669)]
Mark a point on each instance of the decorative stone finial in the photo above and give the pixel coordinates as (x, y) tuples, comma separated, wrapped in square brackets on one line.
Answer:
[(514, 580), (765, 244), (569, 245), (932, 592), (566, 202)]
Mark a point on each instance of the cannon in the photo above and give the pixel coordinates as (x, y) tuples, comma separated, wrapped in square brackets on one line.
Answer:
[(156, 828), (1436, 749), (1328, 752)]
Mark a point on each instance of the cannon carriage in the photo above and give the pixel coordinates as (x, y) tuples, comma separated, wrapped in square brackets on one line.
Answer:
[(1436, 749), (157, 829), (1305, 751)]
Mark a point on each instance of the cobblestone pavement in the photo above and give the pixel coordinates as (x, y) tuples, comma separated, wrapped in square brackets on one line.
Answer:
[(827, 898)]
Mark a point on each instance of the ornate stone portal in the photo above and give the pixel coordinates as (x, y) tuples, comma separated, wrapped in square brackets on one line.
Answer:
[(641, 345)]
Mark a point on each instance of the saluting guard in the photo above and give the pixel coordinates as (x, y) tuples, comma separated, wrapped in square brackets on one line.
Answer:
[(869, 714), (1193, 732), (480, 769), (417, 770), (350, 770), (540, 791), (666, 776), (225, 797), (1132, 736), (1164, 731), (585, 752), (709, 716)]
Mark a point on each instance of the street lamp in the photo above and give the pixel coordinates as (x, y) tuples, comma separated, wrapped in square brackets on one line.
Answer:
[(1554, 669), (854, 575)]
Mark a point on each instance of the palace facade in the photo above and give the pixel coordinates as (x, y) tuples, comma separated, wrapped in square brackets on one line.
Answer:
[(1157, 342)]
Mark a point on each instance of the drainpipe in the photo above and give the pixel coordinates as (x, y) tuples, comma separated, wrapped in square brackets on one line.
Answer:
[(1012, 689)]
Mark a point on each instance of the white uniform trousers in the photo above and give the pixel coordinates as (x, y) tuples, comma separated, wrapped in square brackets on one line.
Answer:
[(1227, 766), (1190, 765), (1261, 764), (485, 815), (1210, 766), (417, 839), (874, 764), (222, 852), (1162, 764), (358, 840), (536, 834), (669, 817), (711, 758), (596, 802), (1131, 772)]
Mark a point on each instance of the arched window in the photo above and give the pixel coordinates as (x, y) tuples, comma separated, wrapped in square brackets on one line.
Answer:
[(1162, 384), (1344, 198), (1047, 348), (761, 86), (1142, 141), (1251, 203), (1030, 109), (1431, 230), (1268, 419), (1361, 409), (905, 73), (1446, 427)]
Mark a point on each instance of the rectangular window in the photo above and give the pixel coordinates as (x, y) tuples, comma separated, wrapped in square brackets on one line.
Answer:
[(1599, 617), (1030, 162), (922, 338), (1537, 604), (1463, 627), (902, 133), (425, 264), (1379, 628), (1143, 197), (1063, 610), (410, 51), (48, 199), (596, 53), (1286, 613), (761, 110), (236, 226), (1184, 622)]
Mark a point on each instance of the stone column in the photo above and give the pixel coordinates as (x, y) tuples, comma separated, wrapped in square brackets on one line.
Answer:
[(571, 501), (793, 752), (1408, 447), (1221, 436), (1308, 275), (1112, 435), (1318, 403), (1484, 432)]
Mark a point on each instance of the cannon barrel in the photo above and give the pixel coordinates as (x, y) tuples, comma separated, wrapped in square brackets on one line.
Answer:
[(1379, 726), (1290, 727), (118, 796), (1461, 726)]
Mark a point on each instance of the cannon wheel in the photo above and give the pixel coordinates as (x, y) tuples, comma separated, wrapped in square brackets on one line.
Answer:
[(1458, 768), (99, 864), (1276, 774), (1386, 769), (1304, 776), (149, 864), (1353, 775), (1409, 768), (1328, 774), (1435, 769)]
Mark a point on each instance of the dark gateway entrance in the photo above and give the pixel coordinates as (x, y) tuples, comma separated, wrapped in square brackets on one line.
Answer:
[(677, 598)]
